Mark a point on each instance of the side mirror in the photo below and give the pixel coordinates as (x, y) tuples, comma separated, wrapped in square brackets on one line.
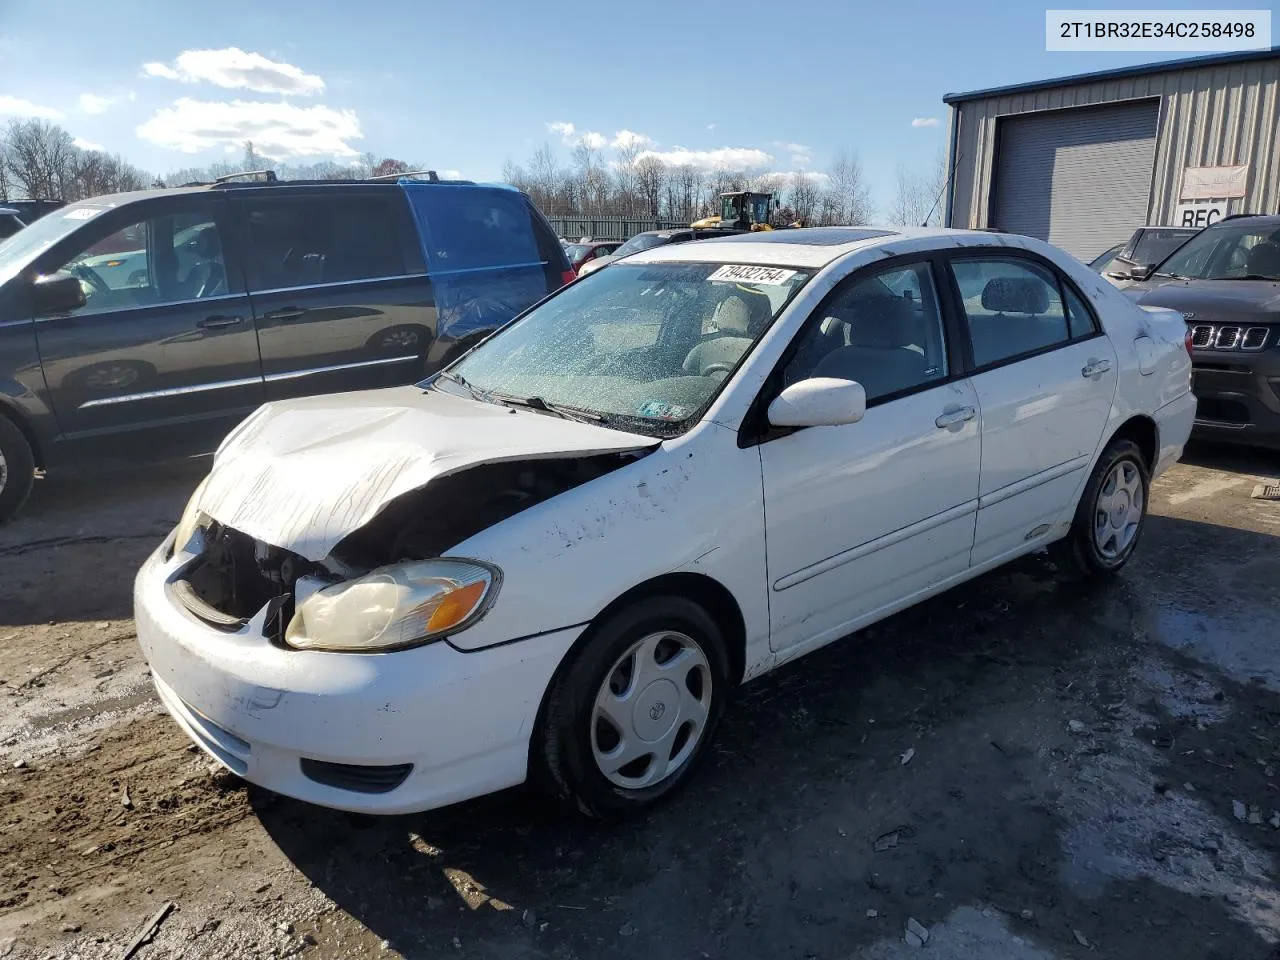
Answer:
[(819, 402), (55, 294)]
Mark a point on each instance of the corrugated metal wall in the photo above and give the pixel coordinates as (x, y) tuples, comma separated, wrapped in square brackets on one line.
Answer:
[(1209, 116)]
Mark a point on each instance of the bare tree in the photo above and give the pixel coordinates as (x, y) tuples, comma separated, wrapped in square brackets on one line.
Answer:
[(651, 176), (804, 196), (911, 199), (388, 167), (849, 190), (37, 158)]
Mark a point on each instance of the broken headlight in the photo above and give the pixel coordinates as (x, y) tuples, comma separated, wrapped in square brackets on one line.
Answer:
[(192, 519), (395, 607)]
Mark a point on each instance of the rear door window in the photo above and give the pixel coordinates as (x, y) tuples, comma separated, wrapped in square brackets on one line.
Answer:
[(306, 241), (470, 229)]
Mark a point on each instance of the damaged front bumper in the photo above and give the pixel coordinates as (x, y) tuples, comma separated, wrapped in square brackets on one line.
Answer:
[(371, 733)]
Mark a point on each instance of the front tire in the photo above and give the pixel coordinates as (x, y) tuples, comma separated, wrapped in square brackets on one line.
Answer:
[(627, 721), (17, 469), (1111, 514)]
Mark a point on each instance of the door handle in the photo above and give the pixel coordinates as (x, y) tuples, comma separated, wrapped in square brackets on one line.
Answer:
[(1095, 368), (285, 313), (952, 418), (218, 321)]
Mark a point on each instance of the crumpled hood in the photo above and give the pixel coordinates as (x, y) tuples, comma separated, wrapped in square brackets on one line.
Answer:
[(303, 474)]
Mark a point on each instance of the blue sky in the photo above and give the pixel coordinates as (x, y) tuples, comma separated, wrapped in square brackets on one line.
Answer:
[(466, 86)]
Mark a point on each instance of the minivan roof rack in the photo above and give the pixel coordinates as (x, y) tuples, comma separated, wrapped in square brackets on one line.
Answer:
[(268, 176), (431, 175)]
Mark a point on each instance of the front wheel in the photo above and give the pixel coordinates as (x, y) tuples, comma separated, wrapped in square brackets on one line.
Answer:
[(1111, 513), (17, 469), (628, 719)]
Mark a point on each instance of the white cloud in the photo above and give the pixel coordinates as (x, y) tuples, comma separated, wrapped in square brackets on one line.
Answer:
[(450, 175), (729, 158), (276, 129), (17, 107), (235, 69), (629, 138), (711, 126), (789, 147), (87, 144), (925, 122), (562, 129), (800, 159), (94, 103), (596, 141)]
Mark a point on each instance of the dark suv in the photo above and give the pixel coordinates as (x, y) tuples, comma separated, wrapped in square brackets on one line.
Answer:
[(148, 324), (1226, 282)]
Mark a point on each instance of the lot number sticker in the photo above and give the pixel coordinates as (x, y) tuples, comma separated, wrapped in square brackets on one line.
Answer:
[(734, 273)]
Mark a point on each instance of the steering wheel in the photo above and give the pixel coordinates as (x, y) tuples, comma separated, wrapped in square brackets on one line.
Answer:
[(724, 369), (89, 276)]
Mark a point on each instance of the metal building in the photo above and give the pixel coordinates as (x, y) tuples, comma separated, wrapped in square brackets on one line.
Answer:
[(1083, 161)]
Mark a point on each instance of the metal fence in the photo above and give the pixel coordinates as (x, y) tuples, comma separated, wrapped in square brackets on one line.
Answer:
[(609, 228)]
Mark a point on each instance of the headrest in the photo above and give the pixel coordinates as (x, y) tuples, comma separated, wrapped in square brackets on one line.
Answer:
[(1264, 260), (732, 316), (882, 320), (1015, 295)]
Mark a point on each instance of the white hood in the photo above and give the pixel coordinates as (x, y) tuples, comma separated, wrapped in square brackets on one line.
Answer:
[(303, 474)]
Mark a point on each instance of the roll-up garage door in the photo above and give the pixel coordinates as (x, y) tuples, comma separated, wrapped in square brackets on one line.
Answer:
[(1079, 178)]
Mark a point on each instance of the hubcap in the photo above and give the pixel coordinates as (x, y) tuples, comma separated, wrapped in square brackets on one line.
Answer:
[(651, 711), (1118, 513)]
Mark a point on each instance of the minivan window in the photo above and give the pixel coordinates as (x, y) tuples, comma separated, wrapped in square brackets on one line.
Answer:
[(471, 229), (17, 252), (303, 242), (165, 259)]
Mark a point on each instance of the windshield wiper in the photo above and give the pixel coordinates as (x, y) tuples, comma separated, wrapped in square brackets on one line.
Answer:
[(1172, 276), (476, 393), (538, 403), (1252, 276)]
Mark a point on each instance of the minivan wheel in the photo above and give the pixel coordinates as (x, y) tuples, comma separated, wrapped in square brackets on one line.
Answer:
[(17, 469), (629, 717), (1111, 513)]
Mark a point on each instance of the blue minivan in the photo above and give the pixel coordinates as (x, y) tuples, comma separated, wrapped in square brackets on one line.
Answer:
[(146, 325)]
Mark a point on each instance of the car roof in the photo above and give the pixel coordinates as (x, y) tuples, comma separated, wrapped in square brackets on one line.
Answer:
[(803, 246)]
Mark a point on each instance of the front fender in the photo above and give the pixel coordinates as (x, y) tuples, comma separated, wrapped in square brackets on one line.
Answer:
[(694, 504)]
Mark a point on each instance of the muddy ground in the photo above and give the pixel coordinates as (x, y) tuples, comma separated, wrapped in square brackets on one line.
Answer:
[(1093, 775)]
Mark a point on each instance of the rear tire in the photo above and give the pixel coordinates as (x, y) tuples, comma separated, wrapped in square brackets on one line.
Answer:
[(1111, 514), (626, 722), (17, 469)]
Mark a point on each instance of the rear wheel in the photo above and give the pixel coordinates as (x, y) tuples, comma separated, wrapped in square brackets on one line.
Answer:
[(627, 721), (1111, 514), (17, 469)]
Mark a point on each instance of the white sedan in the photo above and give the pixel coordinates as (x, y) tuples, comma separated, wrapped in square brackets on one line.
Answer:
[(555, 560)]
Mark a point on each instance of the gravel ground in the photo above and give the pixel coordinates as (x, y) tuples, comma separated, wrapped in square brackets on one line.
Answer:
[(1093, 773)]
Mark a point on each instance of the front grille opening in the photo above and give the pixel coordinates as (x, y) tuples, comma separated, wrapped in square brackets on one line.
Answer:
[(1222, 411), (1227, 338), (1201, 335), (1255, 338), (357, 778), (235, 576)]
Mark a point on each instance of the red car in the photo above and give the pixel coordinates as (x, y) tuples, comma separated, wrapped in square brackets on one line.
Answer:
[(580, 253)]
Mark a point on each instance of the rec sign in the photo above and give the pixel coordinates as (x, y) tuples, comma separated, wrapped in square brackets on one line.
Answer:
[(1200, 214)]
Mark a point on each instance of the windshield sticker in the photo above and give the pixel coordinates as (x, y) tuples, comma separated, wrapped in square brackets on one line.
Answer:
[(82, 213), (660, 410), (734, 273)]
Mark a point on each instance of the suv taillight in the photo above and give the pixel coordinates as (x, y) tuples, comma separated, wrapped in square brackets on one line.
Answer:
[(1186, 341), (568, 276)]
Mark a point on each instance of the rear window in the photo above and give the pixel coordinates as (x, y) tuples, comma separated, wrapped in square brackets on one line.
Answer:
[(470, 228), (642, 241)]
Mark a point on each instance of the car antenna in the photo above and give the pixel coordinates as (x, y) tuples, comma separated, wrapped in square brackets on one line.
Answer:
[(951, 173)]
